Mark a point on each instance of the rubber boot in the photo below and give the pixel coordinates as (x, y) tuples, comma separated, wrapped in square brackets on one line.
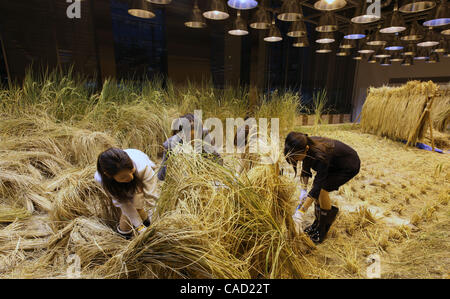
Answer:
[(326, 219), (334, 212), (310, 229)]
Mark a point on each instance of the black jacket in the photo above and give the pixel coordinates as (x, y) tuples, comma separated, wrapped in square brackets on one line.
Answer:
[(342, 161)]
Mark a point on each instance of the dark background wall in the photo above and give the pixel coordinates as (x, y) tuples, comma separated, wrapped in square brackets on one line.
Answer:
[(107, 42)]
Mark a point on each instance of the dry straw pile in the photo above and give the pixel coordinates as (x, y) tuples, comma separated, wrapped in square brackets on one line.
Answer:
[(395, 112), (440, 111), (51, 131)]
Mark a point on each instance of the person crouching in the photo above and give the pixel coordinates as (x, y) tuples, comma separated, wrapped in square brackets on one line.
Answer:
[(127, 176)]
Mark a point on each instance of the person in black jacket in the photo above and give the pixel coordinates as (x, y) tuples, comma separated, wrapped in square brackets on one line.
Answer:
[(335, 164)]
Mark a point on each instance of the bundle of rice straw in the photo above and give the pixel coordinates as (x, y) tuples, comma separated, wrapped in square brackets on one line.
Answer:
[(395, 112), (10, 214), (88, 239), (74, 193), (440, 112)]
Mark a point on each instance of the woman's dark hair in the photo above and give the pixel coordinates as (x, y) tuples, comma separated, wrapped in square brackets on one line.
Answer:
[(190, 117), (110, 163), (295, 143)]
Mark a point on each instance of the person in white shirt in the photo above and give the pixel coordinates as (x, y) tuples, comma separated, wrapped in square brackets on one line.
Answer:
[(127, 176)]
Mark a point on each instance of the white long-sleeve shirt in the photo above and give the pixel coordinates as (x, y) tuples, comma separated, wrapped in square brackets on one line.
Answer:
[(144, 171)]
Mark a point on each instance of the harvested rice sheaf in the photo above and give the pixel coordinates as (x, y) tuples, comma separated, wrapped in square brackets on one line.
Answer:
[(253, 211), (10, 214)]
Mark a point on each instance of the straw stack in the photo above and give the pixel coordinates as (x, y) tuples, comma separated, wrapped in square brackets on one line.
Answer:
[(395, 112), (440, 112)]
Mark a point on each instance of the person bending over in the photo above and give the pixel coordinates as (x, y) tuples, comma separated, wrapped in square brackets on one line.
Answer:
[(177, 138), (335, 164), (127, 176)]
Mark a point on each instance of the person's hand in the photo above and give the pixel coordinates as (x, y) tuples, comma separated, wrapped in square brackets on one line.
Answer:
[(303, 194), (298, 221)]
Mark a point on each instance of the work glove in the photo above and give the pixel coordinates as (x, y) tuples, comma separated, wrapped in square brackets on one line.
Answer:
[(298, 221), (302, 198)]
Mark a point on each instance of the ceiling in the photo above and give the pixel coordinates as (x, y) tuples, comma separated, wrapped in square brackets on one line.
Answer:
[(311, 15)]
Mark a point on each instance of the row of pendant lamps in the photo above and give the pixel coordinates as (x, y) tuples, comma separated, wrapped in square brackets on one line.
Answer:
[(385, 54), (291, 11), (406, 60)]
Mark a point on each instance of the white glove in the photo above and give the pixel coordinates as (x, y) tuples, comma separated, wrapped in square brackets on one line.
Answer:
[(298, 221), (302, 198), (303, 194)]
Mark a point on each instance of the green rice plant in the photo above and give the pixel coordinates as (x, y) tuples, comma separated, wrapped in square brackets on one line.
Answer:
[(320, 100)]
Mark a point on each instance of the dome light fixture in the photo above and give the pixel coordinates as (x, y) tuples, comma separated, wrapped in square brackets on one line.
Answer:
[(239, 26), (394, 23), (343, 52), (434, 58), (446, 30), (242, 4), (385, 62), (217, 11), (327, 22), (298, 29), (274, 34), (410, 50), (414, 33), (442, 16), (330, 4), (375, 39), (396, 57), (421, 54), (301, 42), (325, 38), (355, 32), (442, 47), (141, 9), (160, 2), (413, 6), (366, 49), (196, 20), (394, 45), (261, 19), (430, 39), (408, 61), (371, 59), (362, 16), (291, 11), (323, 49), (347, 44), (381, 54)]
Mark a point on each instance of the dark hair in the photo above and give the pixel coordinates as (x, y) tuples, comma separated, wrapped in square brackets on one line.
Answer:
[(110, 163), (295, 143), (189, 116)]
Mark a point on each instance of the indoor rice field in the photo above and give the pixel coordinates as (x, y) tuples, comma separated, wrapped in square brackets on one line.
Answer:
[(224, 146), (209, 222)]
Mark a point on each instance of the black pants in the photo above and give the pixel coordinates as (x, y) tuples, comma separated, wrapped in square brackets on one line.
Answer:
[(336, 179)]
